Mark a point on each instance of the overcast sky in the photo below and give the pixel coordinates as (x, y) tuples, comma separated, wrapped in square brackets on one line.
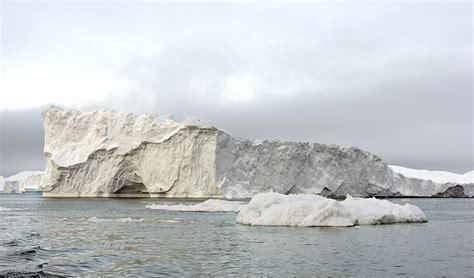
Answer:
[(392, 78)]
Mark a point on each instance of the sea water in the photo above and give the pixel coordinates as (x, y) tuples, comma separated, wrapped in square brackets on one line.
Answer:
[(41, 237)]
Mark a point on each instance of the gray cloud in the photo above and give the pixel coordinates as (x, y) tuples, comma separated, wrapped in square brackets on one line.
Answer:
[(392, 78)]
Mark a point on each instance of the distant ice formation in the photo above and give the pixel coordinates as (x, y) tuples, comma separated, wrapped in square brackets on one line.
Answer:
[(104, 153), (435, 176), (307, 210), (211, 205), (21, 182)]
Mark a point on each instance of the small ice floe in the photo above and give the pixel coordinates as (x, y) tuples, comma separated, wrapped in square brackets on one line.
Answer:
[(211, 205), (308, 210), (123, 220), (11, 209), (176, 220)]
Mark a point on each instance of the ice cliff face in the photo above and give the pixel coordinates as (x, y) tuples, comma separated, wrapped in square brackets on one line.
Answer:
[(107, 153)]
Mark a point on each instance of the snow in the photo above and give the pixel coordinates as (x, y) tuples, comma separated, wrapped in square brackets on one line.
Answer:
[(435, 176), (306, 210), (211, 205), (23, 175)]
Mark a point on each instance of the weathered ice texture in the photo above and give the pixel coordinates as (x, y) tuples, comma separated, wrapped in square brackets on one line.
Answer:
[(31, 183), (309, 210), (107, 153)]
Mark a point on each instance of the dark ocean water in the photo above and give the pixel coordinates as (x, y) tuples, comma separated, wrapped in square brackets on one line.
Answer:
[(121, 238)]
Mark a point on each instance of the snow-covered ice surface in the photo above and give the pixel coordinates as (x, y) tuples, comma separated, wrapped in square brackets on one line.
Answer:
[(371, 211), (211, 205), (435, 176), (303, 210), (307, 210)]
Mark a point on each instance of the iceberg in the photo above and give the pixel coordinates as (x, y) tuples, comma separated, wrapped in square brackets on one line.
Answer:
[(104, 153), (305, 210), (374, 211), (274, 209), (435, 176), (425, 183), (21, 182), (211, 205)]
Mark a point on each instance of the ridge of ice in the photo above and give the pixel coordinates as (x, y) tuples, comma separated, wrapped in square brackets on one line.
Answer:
[(211, 205), (307, 210)]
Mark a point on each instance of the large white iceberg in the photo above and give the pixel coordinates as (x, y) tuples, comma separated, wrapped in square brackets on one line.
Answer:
[(104, 153), (273, 209), (211, 205)]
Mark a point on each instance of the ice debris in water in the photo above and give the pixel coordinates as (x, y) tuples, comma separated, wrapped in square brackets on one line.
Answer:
[(123, 220), (211, 205), (307, 210)]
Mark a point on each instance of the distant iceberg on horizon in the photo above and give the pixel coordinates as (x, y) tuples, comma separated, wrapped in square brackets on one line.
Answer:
[(25, 181), (105, 153)]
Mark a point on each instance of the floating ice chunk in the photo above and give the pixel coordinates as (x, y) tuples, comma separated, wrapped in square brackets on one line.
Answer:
[(5, 209), (211, 205), (11, 209), (123, 220), (374, 211), (306, 210)]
